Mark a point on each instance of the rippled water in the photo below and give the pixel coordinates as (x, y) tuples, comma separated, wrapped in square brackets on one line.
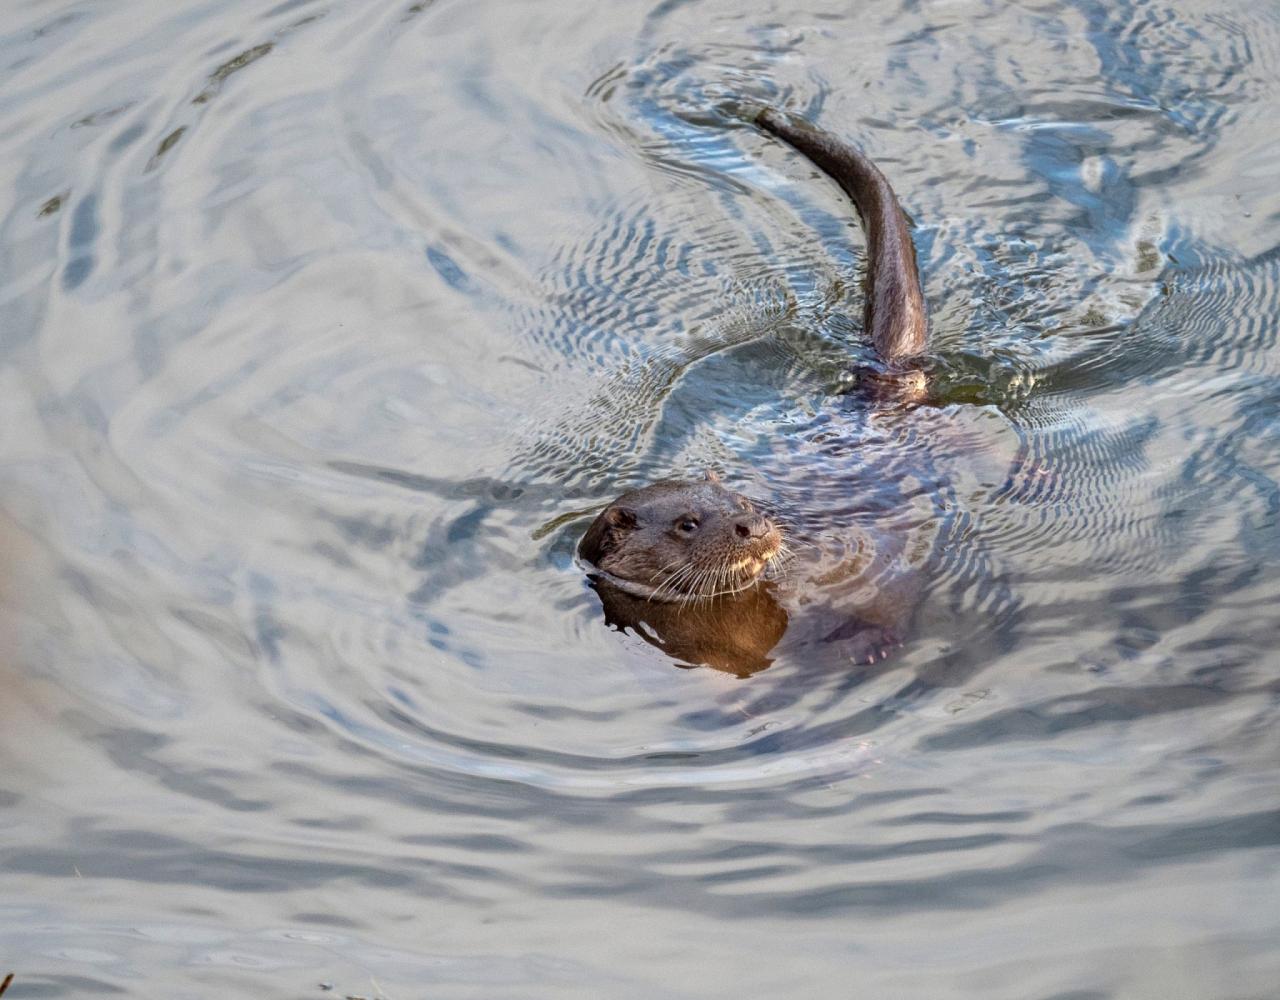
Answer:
[(324, 330)]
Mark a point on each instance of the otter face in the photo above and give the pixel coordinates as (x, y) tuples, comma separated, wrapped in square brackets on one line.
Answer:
[(681, 541)]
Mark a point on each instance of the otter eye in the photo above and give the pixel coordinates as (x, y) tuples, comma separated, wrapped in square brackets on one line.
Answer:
[(689, 524)]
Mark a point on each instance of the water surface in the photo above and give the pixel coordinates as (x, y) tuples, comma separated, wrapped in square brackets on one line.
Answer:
[(326, 327)]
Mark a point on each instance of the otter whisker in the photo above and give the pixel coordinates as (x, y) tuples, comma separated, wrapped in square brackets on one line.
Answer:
[(712, 582), (783, 554), (666, 566), (685, 573), (779, 564), (661, 590), (696, 591), (680, 577), (668, 586)]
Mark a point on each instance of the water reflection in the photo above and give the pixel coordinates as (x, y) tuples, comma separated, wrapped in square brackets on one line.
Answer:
[(734, 633)]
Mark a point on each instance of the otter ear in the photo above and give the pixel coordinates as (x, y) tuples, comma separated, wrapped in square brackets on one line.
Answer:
[(621, 517), (606, 533), (711, 476)]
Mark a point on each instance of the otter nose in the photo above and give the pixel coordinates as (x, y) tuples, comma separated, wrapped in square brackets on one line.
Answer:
[(742, 530), (754, 527)]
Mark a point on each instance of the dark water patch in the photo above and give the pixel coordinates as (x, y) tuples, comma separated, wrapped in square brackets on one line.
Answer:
[(135, 855), (1100, 706), (143, 753), (448, 269), (1079, 995), (288, 7), (128, 137), (83, 234), (39, 984)]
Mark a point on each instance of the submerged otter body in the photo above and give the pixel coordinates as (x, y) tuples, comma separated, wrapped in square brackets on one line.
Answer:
[(663, 558)]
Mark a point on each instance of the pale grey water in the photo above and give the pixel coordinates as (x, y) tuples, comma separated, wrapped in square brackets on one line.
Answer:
[(323, 327)]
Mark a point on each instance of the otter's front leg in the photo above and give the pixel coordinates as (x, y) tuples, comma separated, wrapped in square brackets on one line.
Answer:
[(865, 643), (874, 616)]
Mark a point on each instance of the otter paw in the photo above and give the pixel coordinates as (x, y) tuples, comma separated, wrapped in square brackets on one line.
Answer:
[(865, 644), (874, 645)]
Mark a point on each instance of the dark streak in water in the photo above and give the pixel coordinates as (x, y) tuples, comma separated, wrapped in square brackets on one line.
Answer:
[(166, 144), (414, 9), (53, 204), (219, 76), (102, 117)]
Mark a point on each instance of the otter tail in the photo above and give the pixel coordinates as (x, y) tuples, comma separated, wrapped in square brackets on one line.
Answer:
[(895, 316)]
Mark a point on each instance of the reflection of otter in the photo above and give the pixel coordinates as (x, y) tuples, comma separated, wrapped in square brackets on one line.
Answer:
[(732, 632), (679, 562)]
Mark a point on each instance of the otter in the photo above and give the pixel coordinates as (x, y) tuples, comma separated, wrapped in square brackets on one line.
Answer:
[(656, 552)]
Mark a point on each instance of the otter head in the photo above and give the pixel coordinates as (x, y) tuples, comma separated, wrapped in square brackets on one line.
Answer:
[(681, 541)]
